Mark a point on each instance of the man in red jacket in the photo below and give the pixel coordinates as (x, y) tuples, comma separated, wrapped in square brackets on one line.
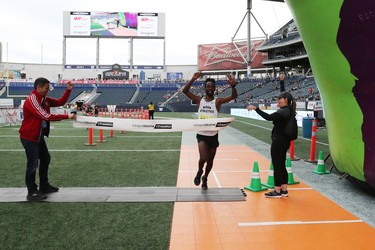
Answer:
[(35, 125)]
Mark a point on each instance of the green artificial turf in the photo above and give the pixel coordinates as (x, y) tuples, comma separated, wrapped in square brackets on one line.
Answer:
[(129, 159)]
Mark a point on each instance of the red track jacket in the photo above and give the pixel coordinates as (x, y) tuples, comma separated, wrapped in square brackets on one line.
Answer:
[(34, 114)]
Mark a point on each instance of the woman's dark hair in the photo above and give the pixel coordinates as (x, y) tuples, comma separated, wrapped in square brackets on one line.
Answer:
[(293, 106), (41, 81)]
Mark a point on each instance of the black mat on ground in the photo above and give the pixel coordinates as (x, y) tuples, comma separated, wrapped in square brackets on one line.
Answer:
[(130, 194), (211, 194)]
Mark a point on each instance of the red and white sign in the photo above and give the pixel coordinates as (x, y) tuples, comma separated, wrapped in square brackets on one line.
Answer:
[(229, 56), (80, 23), (147, 24)]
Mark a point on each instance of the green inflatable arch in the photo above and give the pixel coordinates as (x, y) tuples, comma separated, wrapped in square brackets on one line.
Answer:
[(339, 38)]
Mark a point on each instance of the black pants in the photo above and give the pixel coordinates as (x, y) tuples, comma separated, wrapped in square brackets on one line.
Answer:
[(282, 86), (151, 114), (279, 148), (36, 151)]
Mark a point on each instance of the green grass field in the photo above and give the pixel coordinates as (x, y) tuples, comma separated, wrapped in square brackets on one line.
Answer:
[(128, 160)]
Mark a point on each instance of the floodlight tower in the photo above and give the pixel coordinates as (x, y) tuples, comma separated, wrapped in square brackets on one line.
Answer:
[(248, 56), (248, 15)]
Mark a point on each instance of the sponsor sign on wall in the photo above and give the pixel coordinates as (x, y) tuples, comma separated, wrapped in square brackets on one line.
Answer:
[(116, 73)]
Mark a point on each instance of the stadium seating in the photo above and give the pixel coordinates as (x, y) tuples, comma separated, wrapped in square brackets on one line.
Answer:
[(114, 95), (255, 90)]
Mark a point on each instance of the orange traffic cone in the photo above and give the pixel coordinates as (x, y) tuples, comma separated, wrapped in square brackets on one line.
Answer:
[(321, 167), (270, 181), (291, 180), (255, 184)]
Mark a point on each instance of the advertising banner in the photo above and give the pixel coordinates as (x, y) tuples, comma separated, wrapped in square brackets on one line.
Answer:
[(174, 75), (10, 116), (80, 23), (113, 24), (116, 73), (152, 125), (229, 56)]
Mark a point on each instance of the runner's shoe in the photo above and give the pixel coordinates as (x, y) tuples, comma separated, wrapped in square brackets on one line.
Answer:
[(273, 194), (197, 179), (204, 183)]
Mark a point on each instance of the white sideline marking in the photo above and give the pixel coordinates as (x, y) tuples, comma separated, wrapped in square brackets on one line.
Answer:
[(227, 159), (226, 171), (276, 223), (300, 188), (239, 171), (224, 151), (216, 179), (216, 159)]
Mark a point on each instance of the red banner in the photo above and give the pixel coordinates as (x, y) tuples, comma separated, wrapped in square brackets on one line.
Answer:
[(229, 56)]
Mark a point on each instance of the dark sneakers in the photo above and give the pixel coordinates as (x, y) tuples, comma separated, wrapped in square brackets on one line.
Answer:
[(49, 189), (197, 179), (273, 194), (41, 194), (284, 193), (204, 183), (36, 196)]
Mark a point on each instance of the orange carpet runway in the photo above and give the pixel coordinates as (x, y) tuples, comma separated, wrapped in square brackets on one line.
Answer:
[(304, 220)]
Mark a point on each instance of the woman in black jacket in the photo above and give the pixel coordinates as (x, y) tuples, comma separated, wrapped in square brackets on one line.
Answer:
[(280, 140)]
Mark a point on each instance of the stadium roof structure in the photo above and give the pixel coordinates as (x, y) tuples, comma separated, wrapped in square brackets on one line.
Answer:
[(247, 58), (285, 48)]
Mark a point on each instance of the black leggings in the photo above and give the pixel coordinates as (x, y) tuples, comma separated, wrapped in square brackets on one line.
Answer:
[(279, 147)]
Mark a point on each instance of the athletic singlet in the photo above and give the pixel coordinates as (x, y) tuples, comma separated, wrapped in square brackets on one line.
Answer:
[(207, 110)]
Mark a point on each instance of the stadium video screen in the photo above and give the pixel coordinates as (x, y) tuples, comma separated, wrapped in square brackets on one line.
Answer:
[(114, 24)]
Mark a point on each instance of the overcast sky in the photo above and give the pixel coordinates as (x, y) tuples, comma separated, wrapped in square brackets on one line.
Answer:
[(32, 31)]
